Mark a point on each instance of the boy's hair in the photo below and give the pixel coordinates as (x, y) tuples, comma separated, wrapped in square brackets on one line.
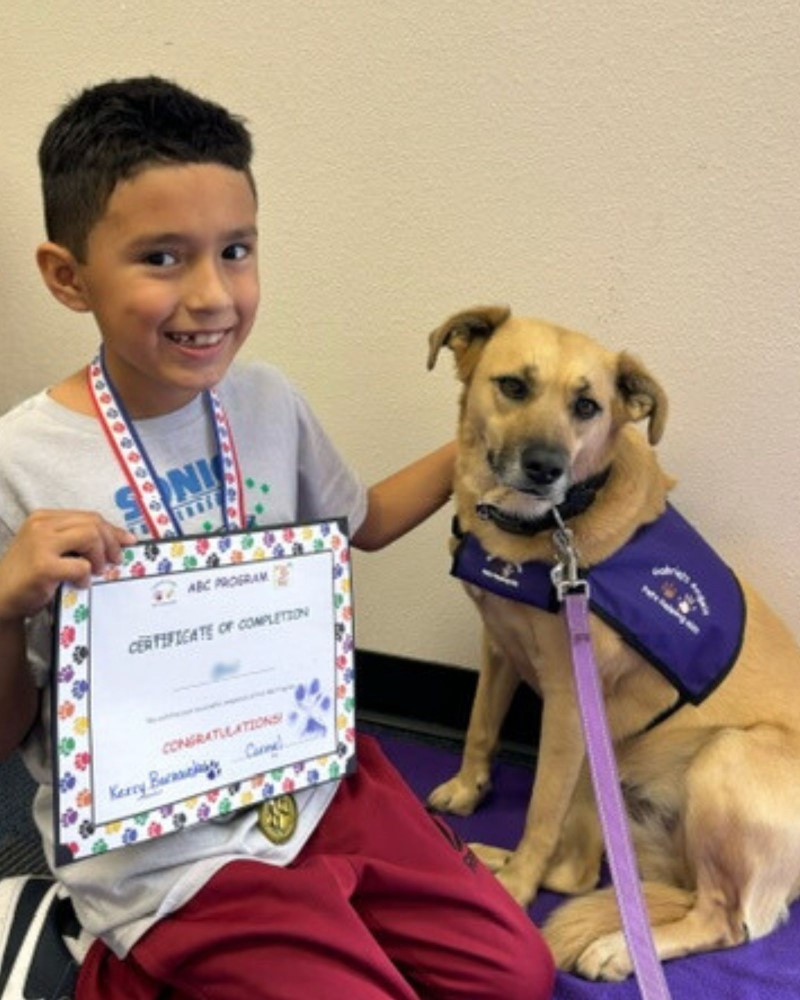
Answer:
[(110, 132)]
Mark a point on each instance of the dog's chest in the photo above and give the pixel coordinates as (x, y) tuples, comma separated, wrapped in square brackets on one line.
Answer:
[(529, 638), (666, 594)]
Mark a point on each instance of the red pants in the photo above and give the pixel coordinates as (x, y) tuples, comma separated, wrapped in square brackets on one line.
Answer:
[(383, 903)]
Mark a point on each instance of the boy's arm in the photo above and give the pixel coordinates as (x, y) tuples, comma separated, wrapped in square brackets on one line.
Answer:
[(50, 548), (400, 502)]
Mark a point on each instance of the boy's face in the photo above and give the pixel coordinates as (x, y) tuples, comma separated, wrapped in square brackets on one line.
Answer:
[(171, 278)]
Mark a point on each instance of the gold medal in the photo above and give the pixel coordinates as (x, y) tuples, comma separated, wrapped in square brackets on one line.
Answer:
[(277, 819)]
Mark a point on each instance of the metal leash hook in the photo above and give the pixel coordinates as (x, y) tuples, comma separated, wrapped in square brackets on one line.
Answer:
[(565, 573)]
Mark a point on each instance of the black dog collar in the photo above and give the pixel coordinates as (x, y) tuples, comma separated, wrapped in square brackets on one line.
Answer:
[(579, 498)]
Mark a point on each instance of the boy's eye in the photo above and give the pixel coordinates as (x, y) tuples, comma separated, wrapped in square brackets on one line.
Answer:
[(161, 258), (237, 251)]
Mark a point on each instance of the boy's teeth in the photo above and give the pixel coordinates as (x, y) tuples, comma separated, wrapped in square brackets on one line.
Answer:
[(198, 339)]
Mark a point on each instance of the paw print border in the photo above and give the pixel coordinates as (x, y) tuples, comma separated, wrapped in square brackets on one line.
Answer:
[(78, 835)]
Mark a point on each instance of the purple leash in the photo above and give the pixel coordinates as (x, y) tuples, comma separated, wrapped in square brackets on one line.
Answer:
[(574, 593)]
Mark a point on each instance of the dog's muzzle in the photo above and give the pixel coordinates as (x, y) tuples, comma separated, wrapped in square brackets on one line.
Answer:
[(538, 470), (577, 499)]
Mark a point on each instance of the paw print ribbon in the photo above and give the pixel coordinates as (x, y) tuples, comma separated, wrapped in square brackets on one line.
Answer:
[(134, 461)]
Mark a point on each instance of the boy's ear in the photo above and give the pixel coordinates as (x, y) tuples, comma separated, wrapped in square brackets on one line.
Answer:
[(61, 274)]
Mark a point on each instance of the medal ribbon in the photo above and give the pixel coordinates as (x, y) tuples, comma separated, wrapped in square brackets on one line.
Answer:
[(135, 462)]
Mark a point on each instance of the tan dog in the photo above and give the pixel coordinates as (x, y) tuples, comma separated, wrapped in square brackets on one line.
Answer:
[(712, 789)]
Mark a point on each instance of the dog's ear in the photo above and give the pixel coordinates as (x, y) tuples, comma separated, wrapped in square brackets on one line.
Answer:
[(466, 334), (642, 396)]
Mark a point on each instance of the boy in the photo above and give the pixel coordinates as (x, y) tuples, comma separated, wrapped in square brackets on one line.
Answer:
[(151, 219)]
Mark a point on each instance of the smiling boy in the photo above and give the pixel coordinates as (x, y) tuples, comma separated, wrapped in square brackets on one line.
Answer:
[(151, 217), (174, 291)]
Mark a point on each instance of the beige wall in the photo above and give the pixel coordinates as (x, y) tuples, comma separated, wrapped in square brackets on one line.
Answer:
[(632, 169)]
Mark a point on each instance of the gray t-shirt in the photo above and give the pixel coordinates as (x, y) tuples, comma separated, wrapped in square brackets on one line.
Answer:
[(52, 457)]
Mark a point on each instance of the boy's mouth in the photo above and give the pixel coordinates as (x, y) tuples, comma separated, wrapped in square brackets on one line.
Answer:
[(197, 338)]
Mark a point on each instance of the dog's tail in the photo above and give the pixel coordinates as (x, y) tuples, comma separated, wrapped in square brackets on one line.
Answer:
[(573, 926)]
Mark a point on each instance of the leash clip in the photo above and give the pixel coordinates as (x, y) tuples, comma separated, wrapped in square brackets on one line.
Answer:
[(565, 575)]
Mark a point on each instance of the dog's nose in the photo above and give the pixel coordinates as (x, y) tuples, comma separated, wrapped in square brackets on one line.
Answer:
[(543, 466)]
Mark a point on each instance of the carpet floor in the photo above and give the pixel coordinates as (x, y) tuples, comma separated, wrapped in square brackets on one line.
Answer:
[(768, 969)]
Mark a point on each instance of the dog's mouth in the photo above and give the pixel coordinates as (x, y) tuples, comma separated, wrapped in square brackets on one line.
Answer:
[(509, 521), (526, 509), (529, 481)]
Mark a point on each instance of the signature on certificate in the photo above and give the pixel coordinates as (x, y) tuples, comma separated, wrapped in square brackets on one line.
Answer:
[(222, 671)]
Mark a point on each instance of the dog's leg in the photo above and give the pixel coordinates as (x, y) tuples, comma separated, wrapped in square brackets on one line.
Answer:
[(575, 867), (497, 682), (557, 770), (742, 800)]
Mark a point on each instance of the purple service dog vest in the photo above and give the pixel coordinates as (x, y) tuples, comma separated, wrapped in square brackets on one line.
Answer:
[(667, 594)]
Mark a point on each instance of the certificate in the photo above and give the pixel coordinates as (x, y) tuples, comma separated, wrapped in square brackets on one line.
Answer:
[(199, 677)]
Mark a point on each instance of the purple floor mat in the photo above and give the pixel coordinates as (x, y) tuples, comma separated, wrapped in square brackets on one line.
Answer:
[(768, 969)]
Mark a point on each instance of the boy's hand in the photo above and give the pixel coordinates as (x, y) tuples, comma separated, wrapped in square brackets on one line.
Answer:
[(54, 547)]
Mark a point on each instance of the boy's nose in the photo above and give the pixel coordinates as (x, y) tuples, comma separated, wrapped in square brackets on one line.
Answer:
[(207, 288)]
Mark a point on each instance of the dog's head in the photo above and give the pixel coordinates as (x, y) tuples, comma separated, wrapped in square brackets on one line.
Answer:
[(542, 406)]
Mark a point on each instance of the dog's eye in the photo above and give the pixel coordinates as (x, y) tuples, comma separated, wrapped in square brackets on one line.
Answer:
[(512, 387), (585, 408)]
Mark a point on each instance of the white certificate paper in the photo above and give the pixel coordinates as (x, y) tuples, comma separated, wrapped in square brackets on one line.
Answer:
[(201, 676)]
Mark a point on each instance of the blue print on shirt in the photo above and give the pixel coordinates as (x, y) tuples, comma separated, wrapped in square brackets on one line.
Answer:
[(192, 490)]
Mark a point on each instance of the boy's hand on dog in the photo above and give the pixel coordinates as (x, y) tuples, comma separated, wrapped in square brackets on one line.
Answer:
[(54, 547)]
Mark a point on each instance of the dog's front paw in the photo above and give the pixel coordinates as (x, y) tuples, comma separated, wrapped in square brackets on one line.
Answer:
[(606, 958), (520, 882), (459, 795), (494, 858), (518, 879)]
